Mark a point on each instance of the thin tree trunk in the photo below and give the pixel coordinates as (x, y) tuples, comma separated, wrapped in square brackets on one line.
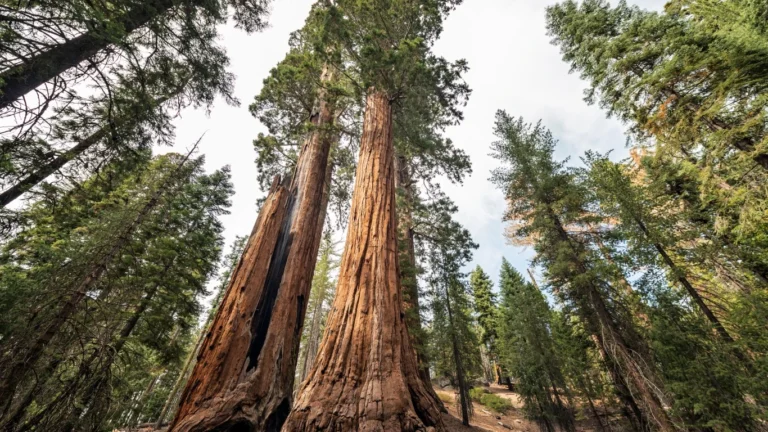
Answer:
[(15, 372), (366, 376), (313, 338), (630, 408), (85, 372), (623, 357), (41, 173), (618, 349), (623, 282), (183, 376), (544, 417), (25, 77), (463, 390), (244, 375), (404, 182), (564, 416), (485, 362), (680, 276), (757, 268), (15, 417), (595, 413), (99, 377), (587, 384), (144, 396)]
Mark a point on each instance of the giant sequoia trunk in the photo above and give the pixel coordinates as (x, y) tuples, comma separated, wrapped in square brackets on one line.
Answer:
[(365, 376), (243, 379), (35, 71)]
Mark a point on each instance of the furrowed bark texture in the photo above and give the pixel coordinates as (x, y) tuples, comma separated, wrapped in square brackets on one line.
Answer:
[(365, 376), (214, 392), (630, 409), (622, 357), (243, 379)]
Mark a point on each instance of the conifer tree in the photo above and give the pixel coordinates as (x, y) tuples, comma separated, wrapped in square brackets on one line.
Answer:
[(527, 350), (109, 78), (455, 342), (90, 133), (87, 261), (614, 189), (583, 370), (542, 194), (48, 38), (143, 300), (485, 308), (285, 104), (323, 286), (271, 286), (687, 85), (657, 235)]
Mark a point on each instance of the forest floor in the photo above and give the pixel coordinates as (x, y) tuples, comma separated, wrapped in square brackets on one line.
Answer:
[(485, 419)]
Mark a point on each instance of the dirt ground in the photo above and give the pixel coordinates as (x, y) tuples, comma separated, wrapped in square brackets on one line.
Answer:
[(484, 419)]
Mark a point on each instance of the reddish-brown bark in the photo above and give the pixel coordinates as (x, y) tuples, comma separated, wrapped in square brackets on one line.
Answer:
[(365, 376), (243, 379)]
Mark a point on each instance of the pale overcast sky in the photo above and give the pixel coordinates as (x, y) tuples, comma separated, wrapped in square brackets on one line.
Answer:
[(513, 67)]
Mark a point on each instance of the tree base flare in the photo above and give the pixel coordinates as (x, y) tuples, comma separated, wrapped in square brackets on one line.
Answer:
[(365, 376)]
